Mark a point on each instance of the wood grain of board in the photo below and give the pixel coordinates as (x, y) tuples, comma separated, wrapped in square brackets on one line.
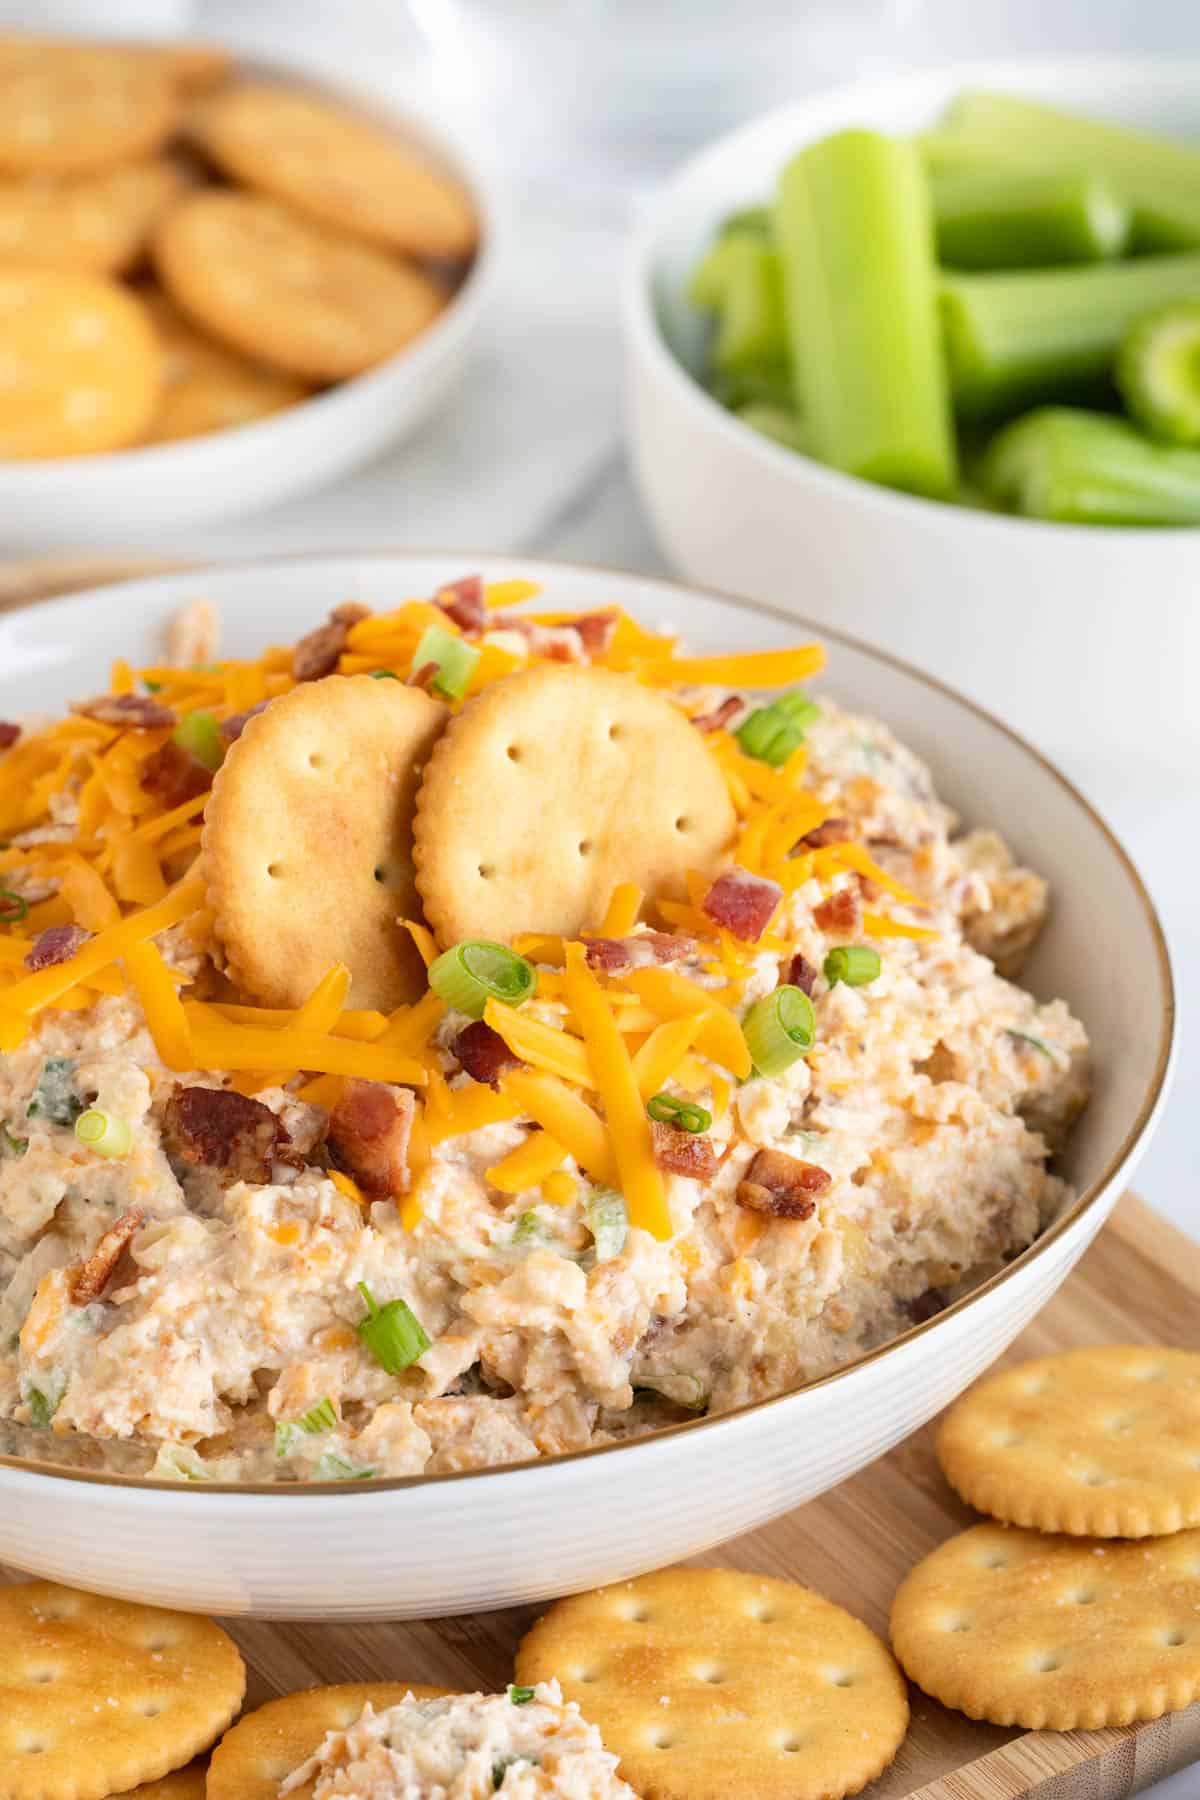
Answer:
[(1139, 1283)]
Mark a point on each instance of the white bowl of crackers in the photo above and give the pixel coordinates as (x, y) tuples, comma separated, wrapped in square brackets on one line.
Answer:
[(221, 283), (504, 1086)]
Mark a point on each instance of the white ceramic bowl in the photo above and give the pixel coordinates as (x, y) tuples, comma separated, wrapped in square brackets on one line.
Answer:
[(1074, 634), (452, 1543), (132, 495)]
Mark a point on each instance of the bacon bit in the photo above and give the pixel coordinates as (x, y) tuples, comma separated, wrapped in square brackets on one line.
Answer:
[(742, 903), (8, 734), (683, 1152), (91, 1277), (423, 677), (482, 1052), (57, 944), (840, 913), (644, 950), (141, 711), (368, 1136), (173, 775), (926, 1306), (595, 629), (233, 1137), (801, 974), (781, 1186), (557, 643), (232, 728), (720, 716), (830, 831), (317, 653), (462, 601)]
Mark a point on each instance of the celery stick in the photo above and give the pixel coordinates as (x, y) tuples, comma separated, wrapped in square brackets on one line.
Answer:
[(1049, 333), (710, 277), (998, 219), (947, 152), (751, 331), (1083, 468), (753, 219), (777, 422), (854, 228), (1158, 372), (1158, 176), (768, 386)]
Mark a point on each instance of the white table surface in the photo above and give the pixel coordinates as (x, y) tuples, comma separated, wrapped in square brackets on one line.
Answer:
[(530, 458)]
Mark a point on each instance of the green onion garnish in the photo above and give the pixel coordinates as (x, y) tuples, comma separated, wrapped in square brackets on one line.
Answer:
[(685, 1114), (780, 1029), (1029, 1037), (320, 1417), (12, 908), (520, 1696), (455, 661), (44, 1403), (478, 970), (384, 675), (54, 1097), (393, 1333), (103, 1132), (528, 1229), (336, 1468), (608, 1222), (16, 1146), (855, 964), (772, 732), (199, 734)]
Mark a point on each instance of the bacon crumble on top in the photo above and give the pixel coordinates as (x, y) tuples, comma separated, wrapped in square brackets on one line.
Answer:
[(226, 1133), (742, 903), (8, 734), (367, 1136), (462, 601), (801, 974), (424, 676), (840, 913), (482, 1052), (720, 716), (173, 775), (232, 728), (683, 1152), (317, 653), (92, 1276), (141, 711), (829, 831), (57, 944), (782, 1186), (643, 950)]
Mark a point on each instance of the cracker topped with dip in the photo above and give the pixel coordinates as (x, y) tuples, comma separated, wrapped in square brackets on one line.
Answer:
[(325, 1156)]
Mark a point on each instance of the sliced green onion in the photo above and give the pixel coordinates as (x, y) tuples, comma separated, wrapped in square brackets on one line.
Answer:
[(780, 1029), (16, 1146), (103, 1132), (392, 1333), (667, 1109), (855, 964), (478, 970), (336, 1468), (54, 1097), (199, 734), (772, 732), (152, 687), (455, 661), (12, 908), (318, 1418), (1029, 1037), (528, 1229), (608, 1222), (43, 1403), (519, 1696), (384, 675)]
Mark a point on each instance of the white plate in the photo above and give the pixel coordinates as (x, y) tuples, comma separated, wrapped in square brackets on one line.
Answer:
[(140, 494), (418, 1547)]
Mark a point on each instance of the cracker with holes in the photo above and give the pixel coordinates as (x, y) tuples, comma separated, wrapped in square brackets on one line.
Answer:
[(307, 847), (97, 1696), (339, 169), (710, 1682), (68, 108), (80, 365), (1053, 1633), (180, 1784), (549, 788), (266, 1746), (1100, 1442), (99, 224), (289, 292)]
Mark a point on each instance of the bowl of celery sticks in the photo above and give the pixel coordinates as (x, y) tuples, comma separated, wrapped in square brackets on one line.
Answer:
[(922, 356)]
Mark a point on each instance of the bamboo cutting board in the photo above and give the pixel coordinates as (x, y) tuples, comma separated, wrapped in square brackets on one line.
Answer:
[(1140, 1282)]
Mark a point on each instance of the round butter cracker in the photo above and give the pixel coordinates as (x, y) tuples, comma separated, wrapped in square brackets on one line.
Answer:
[(97, 1696), (1053, 1633), (207, 387), (338, 168), (98, 224), (70, 108), (265, 1746), (181, 1784), (710, 1682), (307, 848), (1099, 1442), (288, 292), (80, 365), (549, 788)]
